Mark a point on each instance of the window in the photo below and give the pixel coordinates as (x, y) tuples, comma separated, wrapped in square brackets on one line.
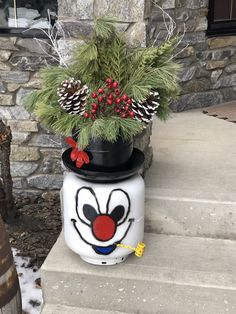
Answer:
[(26, 16), (222, 17)]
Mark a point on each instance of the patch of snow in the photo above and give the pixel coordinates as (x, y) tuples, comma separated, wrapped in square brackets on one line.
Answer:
[(29, 14), (20, 22), (40, 23), (31, 293)]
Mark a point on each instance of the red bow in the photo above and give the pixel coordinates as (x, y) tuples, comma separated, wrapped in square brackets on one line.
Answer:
[(77, 155)]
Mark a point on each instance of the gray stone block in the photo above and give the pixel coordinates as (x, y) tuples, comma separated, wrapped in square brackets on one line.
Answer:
[(14, 112), (192, 4), (168, 4), (226, 81), (50, 166), (193, 38), (14, 76), (201, 24), (20, 137), (231, 68), (6, 100), (23, 126), (78, 9), (23, 169), (5, 55), (196, 86), (2, 88), (43, 182), (8, 43), (198, 100), (215, 75), (26, 62), (18, 183), (77, 29), (186, 74), (136, 35), (4, 66), (123, 10), (46, 140), (32, 45), (21, 94), (21, 153), (217, 55)]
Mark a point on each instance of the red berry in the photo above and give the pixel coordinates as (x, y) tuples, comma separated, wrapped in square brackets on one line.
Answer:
[(110, 96), (129, 101), (126, 108), (94, 95), (109, 81), (131, 114), (118, 100), (125, 97), (110, 86), (117, 92), (109, 102), (123, 115), (115, 84), (93, 111), (86, 115), (100, 99), (100, 90), (117, 110), (95, 106)]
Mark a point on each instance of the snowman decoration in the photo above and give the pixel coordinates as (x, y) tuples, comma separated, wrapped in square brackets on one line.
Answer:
[(103, 223)]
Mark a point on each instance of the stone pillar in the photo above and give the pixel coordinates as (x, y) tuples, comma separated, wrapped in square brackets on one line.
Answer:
[(131, 16)]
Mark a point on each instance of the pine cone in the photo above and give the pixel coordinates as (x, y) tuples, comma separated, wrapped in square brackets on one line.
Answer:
[(145, 111), (73, 96)]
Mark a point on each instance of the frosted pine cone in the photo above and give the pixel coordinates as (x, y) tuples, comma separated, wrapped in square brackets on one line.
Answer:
[(145, 111), (73, 96)]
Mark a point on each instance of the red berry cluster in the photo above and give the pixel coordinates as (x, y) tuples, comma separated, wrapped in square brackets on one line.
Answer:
[(110, 100)]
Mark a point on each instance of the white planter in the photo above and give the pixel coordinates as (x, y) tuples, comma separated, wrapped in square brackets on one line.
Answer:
[(98, 216)]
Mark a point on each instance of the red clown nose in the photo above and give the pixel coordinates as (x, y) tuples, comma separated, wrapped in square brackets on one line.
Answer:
[(103, 227)]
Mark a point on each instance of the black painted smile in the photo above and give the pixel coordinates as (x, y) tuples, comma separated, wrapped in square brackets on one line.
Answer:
[(103, 250)]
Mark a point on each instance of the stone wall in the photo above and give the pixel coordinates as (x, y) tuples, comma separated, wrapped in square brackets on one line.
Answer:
[(209, 64), (36, 153), (35, 157)]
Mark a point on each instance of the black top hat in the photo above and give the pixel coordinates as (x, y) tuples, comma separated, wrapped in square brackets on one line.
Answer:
[(98, 173)]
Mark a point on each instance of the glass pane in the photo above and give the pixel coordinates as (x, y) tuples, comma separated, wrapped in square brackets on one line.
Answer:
[(27, 13), (234, 10), (222, 10)]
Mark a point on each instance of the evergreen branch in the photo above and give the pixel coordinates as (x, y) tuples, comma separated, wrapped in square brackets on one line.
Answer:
[(138, 71)]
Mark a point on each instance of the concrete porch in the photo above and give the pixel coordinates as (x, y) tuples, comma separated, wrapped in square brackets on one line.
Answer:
[(189, 264)]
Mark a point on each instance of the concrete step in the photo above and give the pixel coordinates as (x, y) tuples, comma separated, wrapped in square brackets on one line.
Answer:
[(191, 185), (177, 275), (167, 212), (59, 309)]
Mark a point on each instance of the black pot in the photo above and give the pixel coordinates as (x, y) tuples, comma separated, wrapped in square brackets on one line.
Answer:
[(107, 156)]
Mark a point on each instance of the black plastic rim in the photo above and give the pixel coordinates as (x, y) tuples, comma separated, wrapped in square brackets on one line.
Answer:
[(132, 167)]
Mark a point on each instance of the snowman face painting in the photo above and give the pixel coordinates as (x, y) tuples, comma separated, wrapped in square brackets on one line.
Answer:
[(105, 224)]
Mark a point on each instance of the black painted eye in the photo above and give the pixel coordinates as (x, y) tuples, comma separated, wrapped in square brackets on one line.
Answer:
[(87, 207), (118, 205), (89, 212), (118, 213)]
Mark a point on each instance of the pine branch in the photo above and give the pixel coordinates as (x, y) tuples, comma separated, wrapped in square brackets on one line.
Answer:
[(105, 54)]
